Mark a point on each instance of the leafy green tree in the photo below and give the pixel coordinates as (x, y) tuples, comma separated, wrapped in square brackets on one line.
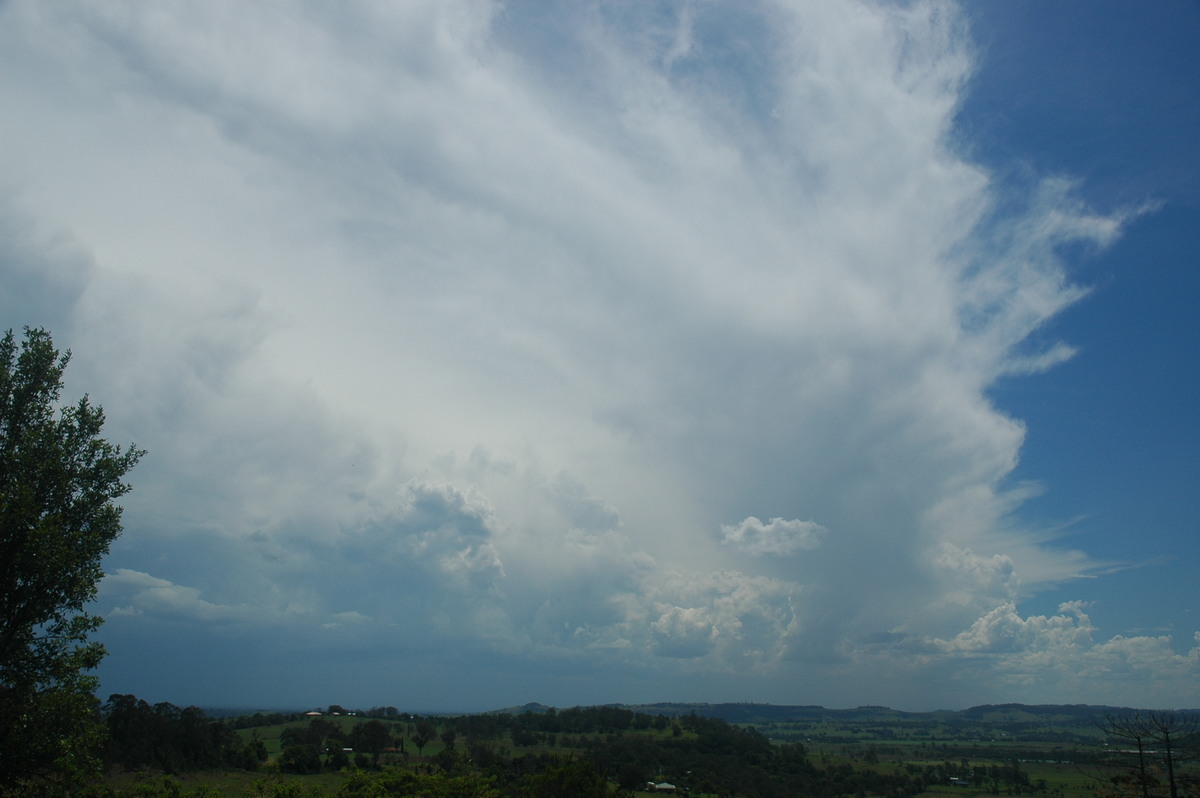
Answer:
[(300, 759), (371, 738), (424, 736), (376, 784), (577, 778), (252, 754), (337, 759), (58, 484)]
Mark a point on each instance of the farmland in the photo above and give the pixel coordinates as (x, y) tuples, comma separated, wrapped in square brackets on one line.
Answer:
[(697, 749)]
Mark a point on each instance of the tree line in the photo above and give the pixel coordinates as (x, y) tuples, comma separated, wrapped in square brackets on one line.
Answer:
[(609, 746), (174, 740), (597, 751)]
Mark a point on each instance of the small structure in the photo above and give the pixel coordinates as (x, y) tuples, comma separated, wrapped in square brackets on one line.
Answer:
[(662, 786)]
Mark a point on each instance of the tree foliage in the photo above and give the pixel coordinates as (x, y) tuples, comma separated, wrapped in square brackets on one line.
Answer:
[(58, 483), (173, 740), (304, 758), (371, 738), (424, 736)]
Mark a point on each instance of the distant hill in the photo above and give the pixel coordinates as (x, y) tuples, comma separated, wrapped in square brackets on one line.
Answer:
[(533, 706), (749, 713)]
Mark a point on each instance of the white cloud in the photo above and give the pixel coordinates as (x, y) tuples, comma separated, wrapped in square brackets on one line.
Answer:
[(1004, 631), (134, 593), (684, 633), (1057, 655), (451, 328), (747, 620), (777, 536)]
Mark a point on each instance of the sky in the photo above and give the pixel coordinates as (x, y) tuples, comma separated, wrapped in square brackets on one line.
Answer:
[(632, 351)]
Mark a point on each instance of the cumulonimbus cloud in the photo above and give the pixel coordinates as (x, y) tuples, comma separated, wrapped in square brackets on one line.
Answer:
[(455, 325)]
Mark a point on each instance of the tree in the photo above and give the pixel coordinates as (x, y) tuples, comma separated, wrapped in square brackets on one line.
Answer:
[(424, 736), (58, 484), (300, 759), (1161, 740), (371, 738), (574, 777)]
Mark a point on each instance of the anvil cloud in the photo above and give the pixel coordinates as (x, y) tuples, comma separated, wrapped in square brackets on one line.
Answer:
[(496, 352)]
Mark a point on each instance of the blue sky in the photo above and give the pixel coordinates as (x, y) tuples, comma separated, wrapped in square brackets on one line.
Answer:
[(621, 352), (1116, 106)]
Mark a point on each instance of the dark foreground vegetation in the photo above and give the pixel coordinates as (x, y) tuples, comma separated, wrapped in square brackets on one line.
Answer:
[(699, 750)]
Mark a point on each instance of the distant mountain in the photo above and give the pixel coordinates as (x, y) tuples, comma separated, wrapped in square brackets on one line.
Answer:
[(749, 713), (533, 706)]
